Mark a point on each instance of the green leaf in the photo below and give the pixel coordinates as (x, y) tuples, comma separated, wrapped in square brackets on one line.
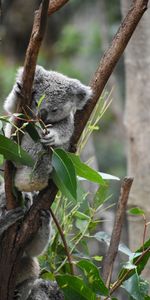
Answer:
[(97, 258), (74, 288), (64, 175), (11, 151), (102, 236), (139, 262), (106, 176), (61, 186), (81, 216), (1, 159), (5, 119), (93, 278), (85, 171), (31, 130), (41, 100), (136, 211), (100, 196), (1, 125), (136, 287)]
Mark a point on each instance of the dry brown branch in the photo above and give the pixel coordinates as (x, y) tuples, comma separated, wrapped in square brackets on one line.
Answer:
[(117, 228), (109, 61), (37, 35), (56, 5)]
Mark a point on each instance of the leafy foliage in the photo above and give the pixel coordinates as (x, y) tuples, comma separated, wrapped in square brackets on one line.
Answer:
[(11, 151)]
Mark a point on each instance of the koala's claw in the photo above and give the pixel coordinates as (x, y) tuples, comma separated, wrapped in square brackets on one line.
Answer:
[(44, 216), (50, 138), (17, 295)]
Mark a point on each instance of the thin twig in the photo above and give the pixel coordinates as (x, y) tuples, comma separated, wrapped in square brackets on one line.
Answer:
[(64, 241), (119, 282), (117, 228), (56, 5)]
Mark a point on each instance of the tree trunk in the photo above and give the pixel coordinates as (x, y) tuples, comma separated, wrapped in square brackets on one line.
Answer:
[(137, 120)]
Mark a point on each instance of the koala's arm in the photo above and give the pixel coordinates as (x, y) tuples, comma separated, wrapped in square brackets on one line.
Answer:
[(10, 218), (29, 267), (59, 133), (41, 239)]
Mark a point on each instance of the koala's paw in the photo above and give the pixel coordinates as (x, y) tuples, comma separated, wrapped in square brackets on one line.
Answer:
[(10, 218), (51, 138), (44, 217), (17, 295)]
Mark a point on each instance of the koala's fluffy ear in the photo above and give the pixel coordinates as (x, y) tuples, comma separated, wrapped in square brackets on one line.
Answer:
[(83, 95)]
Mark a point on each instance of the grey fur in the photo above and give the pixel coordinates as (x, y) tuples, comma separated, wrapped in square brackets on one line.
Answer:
[(63, 96), (45, 290), (29, 268)]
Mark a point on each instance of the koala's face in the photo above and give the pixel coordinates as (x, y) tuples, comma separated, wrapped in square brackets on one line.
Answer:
[(55, 106), (62, 95)]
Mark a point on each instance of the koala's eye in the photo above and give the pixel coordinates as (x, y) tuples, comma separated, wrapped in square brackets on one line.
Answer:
[(54, 109)]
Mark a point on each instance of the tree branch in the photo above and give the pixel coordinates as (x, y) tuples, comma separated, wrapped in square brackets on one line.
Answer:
[(117, 228), (39, 27), (56, 5), (109, 61)]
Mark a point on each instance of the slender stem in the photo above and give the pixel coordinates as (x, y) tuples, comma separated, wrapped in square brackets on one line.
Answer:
[(120, 281), (64, 241), (117, 228), (80, 238)]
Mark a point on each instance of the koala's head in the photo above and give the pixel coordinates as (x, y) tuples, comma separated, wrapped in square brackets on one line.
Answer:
[(61, 95)]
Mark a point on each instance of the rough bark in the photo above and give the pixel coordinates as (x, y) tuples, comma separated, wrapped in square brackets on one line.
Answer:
[(137, 120)]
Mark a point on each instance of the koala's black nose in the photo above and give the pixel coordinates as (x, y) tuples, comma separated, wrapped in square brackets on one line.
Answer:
[(43, 114)]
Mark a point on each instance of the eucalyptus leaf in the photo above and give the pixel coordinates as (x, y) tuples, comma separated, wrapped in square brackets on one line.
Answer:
[(100, 196), (12, 151), (140, 263), (1, 125), (85, 171), (65, 174), (102, 236), (1, 159), (32, 131), (74, 288), (41, 100), (93, 277), (136, 287), (136, 211)]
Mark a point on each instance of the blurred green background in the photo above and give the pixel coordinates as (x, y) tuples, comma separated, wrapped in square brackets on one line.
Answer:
[(76, 38)]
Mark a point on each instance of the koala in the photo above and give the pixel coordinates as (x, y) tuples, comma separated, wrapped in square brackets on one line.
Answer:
[(46, 290), (29, 268), (63, 96)]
